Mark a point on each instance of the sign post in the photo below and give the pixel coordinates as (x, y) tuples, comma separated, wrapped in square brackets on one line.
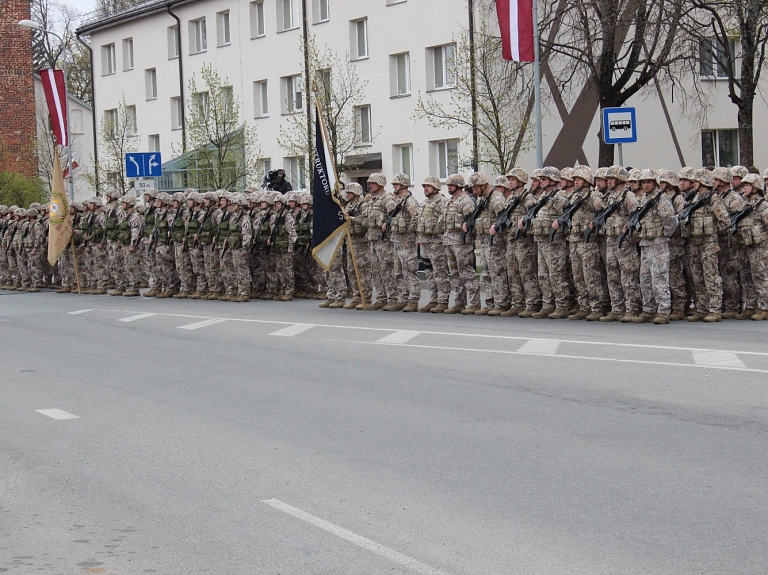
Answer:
[(619, 127)]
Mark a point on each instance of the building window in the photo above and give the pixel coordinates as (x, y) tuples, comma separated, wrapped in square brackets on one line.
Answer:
[(76, 121), (403, 159), (719, 148), (400, 75), (713, 60), (293, 94), (265, 166), (154, 143), (260, 99), (108, 60), (364, 132), (321, 10), (110, 122), (173, 42), (445, 157), (198, 36), (130, 120), (127, 54), (359, 38), (287, 15), (257, 19), (203, 104), (441, 74), (176, 113), (223, 35), (297, 172), (227, 95), (150, 80)]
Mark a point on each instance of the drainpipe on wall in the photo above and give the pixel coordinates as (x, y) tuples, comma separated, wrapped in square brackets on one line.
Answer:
[(181, 80), (93, 115)]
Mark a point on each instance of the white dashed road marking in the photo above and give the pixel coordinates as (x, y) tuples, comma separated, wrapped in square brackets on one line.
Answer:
[(199, 324), (717, 359), (57, 414), (292, 330), (136, 317), (394, 556), (398, 337), (540, 346), (78, 312)]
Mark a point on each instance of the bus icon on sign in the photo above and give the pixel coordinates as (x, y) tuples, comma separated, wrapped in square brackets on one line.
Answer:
[(621, 125)]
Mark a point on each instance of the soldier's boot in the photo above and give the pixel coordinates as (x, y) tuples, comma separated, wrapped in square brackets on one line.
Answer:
[(377, 306), (579, 315), (696, 316), (99, 291), (325, 304), (559, 314), (164, 295), (428, 308), (66, 289), (181, 295), (439, 308), (678, 315), (132, 293), (649, 316), (152, 293), (320, 295), (526, 313), (661, 319), (594, 316), (33, 289), (746, 314), (513, 312), (211, 295), (729, 314), (483, 311), (242, 299), (118, 291), (495, 312), (457, 308), (336, 304), (194, 295), (287, 297), (632, 318), (411, 307), (713, 318), (268, 295), (401, 305), (390, 307), (542, 313), (611, 317), (760, 315), (143, 285), (224, 297), (353, 304), (470, 310)]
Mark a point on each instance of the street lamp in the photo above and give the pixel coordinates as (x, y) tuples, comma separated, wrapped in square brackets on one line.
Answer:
[(36, 27)]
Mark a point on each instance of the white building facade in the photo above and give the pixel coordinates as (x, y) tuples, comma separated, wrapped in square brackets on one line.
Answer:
[(398, 46)]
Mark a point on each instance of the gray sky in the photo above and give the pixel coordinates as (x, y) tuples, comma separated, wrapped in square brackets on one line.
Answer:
[(84, 6)]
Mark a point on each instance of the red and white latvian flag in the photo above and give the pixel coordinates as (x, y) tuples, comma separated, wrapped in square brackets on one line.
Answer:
[(56, 98), (516, 22)]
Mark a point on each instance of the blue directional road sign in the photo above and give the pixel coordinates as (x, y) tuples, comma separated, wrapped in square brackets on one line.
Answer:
[(619, 125), (143, 165)]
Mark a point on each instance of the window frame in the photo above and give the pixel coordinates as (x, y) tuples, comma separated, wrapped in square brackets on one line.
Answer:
[(108, 59), (317, 11), (176, 112), (128, 59), (261, 99), (446, 157), (297, 177), (715, 51), (198, 34), (362, 113), (395, 75), (448, 76), (292, 11), (173, 42), (289, 86), (150, 84), (354, 33), (110, 118), (258, 19), (223, 29), (398, 158), (150, 140), (716, 135)]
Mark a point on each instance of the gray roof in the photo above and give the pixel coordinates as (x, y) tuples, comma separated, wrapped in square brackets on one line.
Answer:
[(100, 19)]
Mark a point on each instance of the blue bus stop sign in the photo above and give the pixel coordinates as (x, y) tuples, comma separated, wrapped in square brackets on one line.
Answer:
[(619, 125)]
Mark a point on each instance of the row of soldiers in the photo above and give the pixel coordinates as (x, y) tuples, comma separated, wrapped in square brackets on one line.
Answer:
[(216, 245), (632, 246)]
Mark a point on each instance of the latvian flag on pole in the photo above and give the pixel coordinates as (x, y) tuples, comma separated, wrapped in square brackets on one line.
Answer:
[(56, 98), (516, 22)]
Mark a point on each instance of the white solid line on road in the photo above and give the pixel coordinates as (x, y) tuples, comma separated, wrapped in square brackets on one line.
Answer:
[(355, 539), (206, 323), (717, 358), (136, 317), (78, 312), (57, 414), (292, 330), (398, 337), (540, 346)]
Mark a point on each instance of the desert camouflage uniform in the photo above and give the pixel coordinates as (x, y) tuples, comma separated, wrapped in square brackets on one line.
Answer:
[(403, 236), (177, 221), (752, 234), (195, 249), (113, 216), (234, 259), (494, 249), (281, 253), (33, 252), (303, 262), (430, 227), (622, 263), (8, 227), (164, 253), (358, 227), (132, 251), (521, 257), (552, 260), (148, 255), (207, 242), (733, 262), (381, 250), (460, 254)]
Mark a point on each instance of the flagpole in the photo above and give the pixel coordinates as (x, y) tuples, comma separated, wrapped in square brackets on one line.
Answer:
[(74, 257), (537, 87), (354, 265)]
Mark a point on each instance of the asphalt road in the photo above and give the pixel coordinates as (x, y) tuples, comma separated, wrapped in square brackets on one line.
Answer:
[(279, 438)]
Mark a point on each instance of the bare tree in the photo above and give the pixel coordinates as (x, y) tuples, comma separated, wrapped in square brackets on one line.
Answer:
[(500, 86), (117, 137)]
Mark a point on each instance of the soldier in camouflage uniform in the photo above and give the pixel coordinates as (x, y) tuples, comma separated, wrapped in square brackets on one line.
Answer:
[(669, 183), (130, 238), (495, 252), (382, 254), (33, 244), (430, 229), (96, 253), (460, 249), (209, 226), (237, 237), (5, 225), (196, 257), (306, 285), (283, 226), (752, 234), (164, 255), (113, 217), (357, 216), (147, 254), (403, 237), (262, 233), (178, 216)]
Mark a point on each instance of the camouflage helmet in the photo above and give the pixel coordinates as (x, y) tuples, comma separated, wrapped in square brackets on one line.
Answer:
[(280, 198), (519, 173), (566, 174), (722, 174), (550, 172), (3, 210), (141, 208), (455, 180), (648, 174), (704, 177), (32, 212), (306, 198), (240, 200), (196, 197), (210, 196), (618, 173), (378, 179), (45, 207), (502, 182), (113, 194), (432, 181), (292, 197), (268, 199), (189, 191), (585, 173), (402, 179), (601, 173), (128, 199), (354, 188), (251, 189), (151, 192), (634, 175), (765, 175), (669, 177), (687, 174), (252, 197), (180, 197), (34, 206), (739, 172), (478, 179), (96, 202), (164, 198), (77, 205), (21, 212), (536, 174), (755, 180)]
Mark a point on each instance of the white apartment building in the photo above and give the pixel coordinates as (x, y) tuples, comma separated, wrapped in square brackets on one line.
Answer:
[(398, 46)]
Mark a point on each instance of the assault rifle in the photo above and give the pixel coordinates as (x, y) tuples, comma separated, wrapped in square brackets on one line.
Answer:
[(685, 216), (633, 225), (273, 234), (393, 214), (599, 222), (137, 241), (153, 238), (472, 218), (565, 221), (531, 214), (200, 229), (10, 241), (503, 223), (740, 215)]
